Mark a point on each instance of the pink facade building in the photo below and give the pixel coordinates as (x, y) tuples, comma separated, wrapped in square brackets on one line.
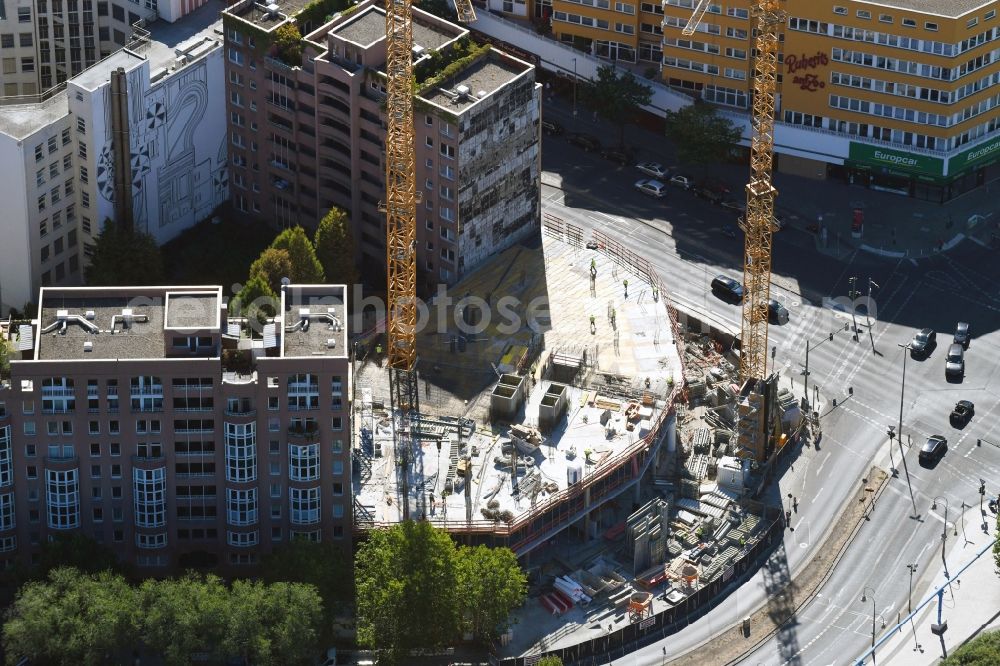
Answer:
[(305, 137), (151, 420)]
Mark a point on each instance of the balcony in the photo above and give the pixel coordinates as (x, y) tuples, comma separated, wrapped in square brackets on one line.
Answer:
[(299, 431), (194, 431), (58, 392), (63, 409), (62, 461), (242, 411), (303, 389), (141, 460)]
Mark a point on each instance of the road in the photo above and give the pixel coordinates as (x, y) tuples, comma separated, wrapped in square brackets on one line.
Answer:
[(681, 236)]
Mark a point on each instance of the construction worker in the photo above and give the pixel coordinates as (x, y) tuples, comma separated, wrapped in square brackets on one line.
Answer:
[(378, 354), (612, 316), (625, 284), (593, 324), (593, 266)]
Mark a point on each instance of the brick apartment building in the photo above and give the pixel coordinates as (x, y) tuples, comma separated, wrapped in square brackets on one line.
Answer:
[(306, 138), (148, 419)]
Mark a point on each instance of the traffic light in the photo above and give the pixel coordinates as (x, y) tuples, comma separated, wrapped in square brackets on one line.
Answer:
[(982, 487)]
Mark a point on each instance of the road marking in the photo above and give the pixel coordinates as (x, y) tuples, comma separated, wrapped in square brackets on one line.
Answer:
[(825, 458)]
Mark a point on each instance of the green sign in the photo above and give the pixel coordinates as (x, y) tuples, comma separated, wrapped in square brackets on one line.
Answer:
[(896, 160), (981, 155)]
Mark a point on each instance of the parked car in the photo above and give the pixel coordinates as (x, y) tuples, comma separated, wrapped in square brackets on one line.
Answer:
[(727, 287), (923, 343), (620, 154), (734, 205), (777, 312), (933, 449), (585, 141), (552, 128), (954, 362), (654, 169), (962, 414), (653, 188), (962, 335), (682, 181), (711, 190)]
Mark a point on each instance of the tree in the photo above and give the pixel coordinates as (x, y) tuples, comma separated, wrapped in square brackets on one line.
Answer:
[(272, 265), (72, 618), (549, 661), (306, 268), (490, 585), (323, 565), (701, 135), (335, 248), (288, 44), (124, 257), (185, 616), (255, 301), (617, 98), (983, 650), (406, 592), (272, 624)]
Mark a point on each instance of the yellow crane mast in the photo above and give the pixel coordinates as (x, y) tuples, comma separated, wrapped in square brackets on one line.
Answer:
[(759, 223), (401, 236)]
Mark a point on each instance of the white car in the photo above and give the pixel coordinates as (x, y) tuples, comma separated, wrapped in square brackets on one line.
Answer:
[(682, 181), (653, 188), (654, 169)]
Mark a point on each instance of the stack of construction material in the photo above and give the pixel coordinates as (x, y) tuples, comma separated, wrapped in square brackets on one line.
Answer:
[(556, 602), (572, 589)]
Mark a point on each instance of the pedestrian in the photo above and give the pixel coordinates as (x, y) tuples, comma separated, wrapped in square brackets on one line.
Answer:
[(625, 284)]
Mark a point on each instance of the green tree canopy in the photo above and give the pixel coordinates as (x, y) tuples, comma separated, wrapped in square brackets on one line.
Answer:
[(272, 625), (324, 565), (185, 615), (72, 618), (490, 585), (335, 248), (306, 268), (549, 661), (701, 135), (288, 44), (124, 257), (616, 97), (983, 650), (406, 593), (272, 265), (254, 301)]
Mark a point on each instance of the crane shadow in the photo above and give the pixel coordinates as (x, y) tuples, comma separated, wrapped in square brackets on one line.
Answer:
[(782, 593)]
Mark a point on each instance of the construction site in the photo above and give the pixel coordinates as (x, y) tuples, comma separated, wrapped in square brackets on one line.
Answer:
[(566, 414)]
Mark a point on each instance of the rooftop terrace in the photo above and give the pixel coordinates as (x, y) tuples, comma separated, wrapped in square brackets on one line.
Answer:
[(367, 26), (117, 323), (314, 321)]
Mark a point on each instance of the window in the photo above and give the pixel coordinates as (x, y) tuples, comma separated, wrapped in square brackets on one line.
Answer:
[(242, 540), (303, 462), (447, 151), (885, 18), (971, 23), (909, 23), (837, 9), (7, 40), (149, 488), (930, 26), (24, 14), (150, 541), (235, 57), (62, 499), (304, 504), (864, 14), (7, 511), (81, 125), (241, 452), (241, 506)]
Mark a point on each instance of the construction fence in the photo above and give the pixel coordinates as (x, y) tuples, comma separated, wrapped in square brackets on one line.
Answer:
[(625, 640)]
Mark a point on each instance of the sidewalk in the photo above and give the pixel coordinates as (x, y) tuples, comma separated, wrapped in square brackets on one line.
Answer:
[(895, 226), (972, 607)]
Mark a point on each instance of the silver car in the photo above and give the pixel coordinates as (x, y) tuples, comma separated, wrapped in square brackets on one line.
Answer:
[(653, 188)]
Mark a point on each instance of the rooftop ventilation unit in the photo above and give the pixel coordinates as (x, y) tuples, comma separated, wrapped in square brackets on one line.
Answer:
[(272, 9), (481, 94), (90, 314), (418, 50), (127, 315), (331, 343), (463, 90), (88, 346), (62, 315)]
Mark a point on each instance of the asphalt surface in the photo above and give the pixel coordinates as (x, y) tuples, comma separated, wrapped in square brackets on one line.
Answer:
[(683, 238)]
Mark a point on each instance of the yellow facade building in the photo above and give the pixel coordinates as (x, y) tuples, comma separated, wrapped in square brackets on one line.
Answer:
[(897, 94)]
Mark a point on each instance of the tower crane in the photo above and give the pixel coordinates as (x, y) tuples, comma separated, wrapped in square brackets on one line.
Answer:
[(400, 209), (759, 225)]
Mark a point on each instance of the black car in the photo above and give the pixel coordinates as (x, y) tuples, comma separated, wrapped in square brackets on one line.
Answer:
[(962, 335), (585, 141), (552, 128), (620, 154), (962, 414), (923, 342), (776, 312), (727, 287), (934, 449), (711, 190)]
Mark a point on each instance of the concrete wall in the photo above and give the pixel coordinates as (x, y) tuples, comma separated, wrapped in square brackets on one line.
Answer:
[(16, 254)]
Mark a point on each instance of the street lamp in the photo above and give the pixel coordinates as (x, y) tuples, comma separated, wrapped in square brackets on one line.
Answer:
[(574, 86), (944, 529), (899, 430), (864, 598), (909, 596)]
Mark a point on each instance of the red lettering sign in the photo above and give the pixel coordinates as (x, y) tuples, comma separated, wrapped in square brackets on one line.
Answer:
[(797, 63), (809, 82)]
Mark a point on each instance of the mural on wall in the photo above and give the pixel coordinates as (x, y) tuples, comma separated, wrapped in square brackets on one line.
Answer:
[(176, 179)]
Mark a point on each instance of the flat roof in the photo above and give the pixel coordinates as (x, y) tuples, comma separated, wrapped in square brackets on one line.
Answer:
[(947, 8), (193, 310), (314, 321), (483, 76), (23, 120), (256, 12), (98, 74), (365, 29), (72, 316)]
